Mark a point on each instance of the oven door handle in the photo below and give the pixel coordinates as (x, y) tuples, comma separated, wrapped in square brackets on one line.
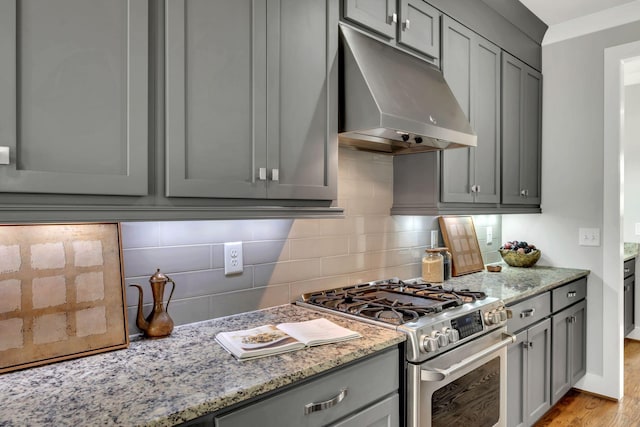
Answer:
[(435, 374)]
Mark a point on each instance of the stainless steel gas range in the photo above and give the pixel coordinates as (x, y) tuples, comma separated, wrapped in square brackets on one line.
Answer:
[(456, 348)]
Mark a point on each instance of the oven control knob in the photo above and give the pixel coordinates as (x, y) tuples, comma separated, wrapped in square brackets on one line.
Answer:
[(452, 334), (503, 314), (490, 318), (429, 344), (442, 339)]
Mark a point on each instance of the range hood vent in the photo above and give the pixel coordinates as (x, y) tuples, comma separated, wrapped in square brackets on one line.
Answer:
[(394, 102)]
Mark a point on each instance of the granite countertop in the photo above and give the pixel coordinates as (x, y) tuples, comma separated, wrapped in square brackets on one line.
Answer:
[(513, 284), (630, 251), (170, 380)]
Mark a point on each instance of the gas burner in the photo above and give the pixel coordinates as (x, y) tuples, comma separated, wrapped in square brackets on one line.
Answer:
[(392, 301)]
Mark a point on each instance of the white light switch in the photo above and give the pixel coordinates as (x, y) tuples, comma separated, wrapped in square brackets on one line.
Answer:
[(489, 235), (638, 228), (589, 236), (434, 238)]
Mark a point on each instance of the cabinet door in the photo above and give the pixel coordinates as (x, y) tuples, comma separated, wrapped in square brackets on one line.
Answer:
[(560, 355), (73, 96), (458, 165), (578, 342), (629, 285), (382, 414), (379, 15), (471, 66), (538, 370), (302, 92), (486, 121), (521, 132), (420, 27), (516, 375), (530, 157), (215, 98)]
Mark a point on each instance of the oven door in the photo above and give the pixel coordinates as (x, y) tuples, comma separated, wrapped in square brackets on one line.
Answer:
[(463, 387)]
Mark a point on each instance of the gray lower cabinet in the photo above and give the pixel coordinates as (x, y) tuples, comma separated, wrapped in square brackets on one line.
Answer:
[(521, 132), (414, 24), (549, 356), (629, 295), (74, 96), (362, 394), (528, 375), (529, 361), (569, 344), (251, 104), (568, 349), (471, 67)]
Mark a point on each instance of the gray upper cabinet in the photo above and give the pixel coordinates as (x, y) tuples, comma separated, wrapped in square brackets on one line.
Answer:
[(471, 66), (419, 27), (380, 16), (252, 99), (521, 132), (73, 96), (414, 23)]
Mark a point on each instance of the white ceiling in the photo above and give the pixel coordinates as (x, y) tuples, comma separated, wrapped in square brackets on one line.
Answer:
[(553, 12)]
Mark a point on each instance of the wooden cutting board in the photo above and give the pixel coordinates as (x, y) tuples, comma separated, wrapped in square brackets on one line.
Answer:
[(460, 237)]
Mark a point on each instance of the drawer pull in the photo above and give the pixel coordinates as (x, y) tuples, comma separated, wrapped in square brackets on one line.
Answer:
[(626, 270), (310, 408), (528, 313), (571, 294)]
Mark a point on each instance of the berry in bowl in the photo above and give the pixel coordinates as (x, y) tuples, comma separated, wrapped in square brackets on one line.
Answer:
[(519, 254)]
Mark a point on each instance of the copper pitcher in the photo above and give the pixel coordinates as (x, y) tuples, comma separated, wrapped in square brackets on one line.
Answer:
[(158, 323)]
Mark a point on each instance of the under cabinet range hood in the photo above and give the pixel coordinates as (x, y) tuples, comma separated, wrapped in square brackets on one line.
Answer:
[(393, 102)]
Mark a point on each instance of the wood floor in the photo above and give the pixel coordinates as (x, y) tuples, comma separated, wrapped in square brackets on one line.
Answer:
[(578, 409)]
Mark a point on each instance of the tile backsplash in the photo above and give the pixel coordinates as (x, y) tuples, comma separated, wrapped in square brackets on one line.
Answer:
[(284, 258)]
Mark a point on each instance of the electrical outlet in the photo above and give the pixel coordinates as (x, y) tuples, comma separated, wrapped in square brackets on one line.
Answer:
[(589, 236), (638, 228), (232, 258), (489, 235)]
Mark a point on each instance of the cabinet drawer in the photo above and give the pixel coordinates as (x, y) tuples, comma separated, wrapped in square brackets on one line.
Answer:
[(629, 267), (364, 382), (568, 294), (528, 312)]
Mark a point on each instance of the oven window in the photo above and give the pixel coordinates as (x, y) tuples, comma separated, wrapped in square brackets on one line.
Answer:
[(471, 400)]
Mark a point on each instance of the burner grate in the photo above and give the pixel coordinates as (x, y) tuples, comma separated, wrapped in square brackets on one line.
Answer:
[(392, 301)]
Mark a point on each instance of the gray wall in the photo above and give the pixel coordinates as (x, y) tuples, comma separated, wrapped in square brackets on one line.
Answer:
[(284, 258)]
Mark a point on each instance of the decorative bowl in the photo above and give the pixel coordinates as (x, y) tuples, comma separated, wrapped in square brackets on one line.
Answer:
[(514, 259)]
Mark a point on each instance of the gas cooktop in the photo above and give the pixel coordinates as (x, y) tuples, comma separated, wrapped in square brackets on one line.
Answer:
[(392, 301)]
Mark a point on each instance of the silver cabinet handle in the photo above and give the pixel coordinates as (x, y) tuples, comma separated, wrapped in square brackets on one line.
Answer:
[(4, 155), (393, 19), (523, 193), (528, 313), (407, 24), (435, 374), (626, 270), (262, 174), (310, 408), (275, 175), (571, 294)]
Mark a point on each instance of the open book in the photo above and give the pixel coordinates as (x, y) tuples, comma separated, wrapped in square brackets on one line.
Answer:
[(275, 339)]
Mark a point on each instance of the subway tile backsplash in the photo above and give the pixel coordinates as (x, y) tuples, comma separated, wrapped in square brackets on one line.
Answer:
[(284, 258)]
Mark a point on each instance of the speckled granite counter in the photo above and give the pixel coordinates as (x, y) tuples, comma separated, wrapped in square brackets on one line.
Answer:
[(630, 250), (174, 379), (513, 284)]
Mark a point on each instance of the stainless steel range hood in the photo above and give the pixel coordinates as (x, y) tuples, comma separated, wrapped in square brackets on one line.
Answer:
[(394, 102)]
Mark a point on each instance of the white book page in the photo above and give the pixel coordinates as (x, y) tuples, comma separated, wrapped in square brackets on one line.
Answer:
[(318, 331)]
